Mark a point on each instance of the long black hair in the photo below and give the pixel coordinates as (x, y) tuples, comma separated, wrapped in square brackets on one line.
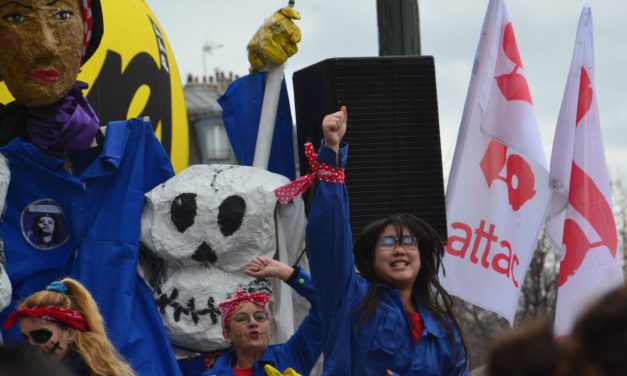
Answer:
[(427, 289)]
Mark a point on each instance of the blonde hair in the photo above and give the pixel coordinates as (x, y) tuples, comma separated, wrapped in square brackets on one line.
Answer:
[(92, 345)]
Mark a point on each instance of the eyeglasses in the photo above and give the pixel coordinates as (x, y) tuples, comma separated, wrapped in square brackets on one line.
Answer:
[(389, 242), (245, 319)]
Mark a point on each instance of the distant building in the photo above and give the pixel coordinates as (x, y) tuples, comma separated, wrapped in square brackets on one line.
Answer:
[(209, 142)]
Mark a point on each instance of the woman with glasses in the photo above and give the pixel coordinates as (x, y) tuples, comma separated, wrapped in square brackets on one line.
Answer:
[(391, 316), (245, 325)]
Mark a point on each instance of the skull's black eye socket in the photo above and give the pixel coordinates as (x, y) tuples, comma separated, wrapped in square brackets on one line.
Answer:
[(40, 335), (231, 214), (183, 211)]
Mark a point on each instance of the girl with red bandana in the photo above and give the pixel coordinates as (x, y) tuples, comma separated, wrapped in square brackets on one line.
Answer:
[(64, 323)]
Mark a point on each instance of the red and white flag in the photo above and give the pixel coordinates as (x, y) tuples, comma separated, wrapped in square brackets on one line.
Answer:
[(581, 224), (497, 192)]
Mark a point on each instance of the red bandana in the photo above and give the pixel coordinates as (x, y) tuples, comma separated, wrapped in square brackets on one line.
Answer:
[(69, 317), (227, 307), (87, 24), (319, 170)]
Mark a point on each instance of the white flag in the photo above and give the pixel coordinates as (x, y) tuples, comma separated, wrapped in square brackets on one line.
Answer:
[(581, 224), (498, 192)]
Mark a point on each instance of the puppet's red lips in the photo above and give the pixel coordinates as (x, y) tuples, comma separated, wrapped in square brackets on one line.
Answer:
[(46, 76)]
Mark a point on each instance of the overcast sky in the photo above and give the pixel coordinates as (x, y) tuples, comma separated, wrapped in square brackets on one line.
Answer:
[(545, 31)]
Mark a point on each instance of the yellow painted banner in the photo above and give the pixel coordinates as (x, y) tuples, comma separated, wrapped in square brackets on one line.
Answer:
[(133, 74)]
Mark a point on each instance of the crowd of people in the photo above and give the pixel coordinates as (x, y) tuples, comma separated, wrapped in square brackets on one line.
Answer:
[(377, 306)]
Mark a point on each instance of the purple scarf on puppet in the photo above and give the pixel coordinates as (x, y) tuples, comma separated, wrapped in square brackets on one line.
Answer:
[(66, 126)]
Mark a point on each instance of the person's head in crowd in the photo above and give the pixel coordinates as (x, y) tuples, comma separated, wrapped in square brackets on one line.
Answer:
[(403, 252), (528, 351), (64, 323), (598, 343), (44, 228), (22, 361), (245, 323)]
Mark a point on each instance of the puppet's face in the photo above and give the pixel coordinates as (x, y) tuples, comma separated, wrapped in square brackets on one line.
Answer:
[(46, 336), (220, 216), (41, 44)]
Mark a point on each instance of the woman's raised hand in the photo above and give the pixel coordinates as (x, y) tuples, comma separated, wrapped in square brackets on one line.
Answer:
[(334, 127), (264, 267)]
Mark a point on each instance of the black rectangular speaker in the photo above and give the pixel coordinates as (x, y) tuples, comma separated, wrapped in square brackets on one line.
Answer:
[(395, 162)]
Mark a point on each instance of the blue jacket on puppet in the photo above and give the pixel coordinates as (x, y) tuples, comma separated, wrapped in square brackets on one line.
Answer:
[(96, 215)]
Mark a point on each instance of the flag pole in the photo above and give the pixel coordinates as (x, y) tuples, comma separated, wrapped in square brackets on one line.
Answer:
[(271, 95)]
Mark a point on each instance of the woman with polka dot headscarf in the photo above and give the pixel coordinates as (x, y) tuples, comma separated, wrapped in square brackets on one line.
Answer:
[(245, 325)]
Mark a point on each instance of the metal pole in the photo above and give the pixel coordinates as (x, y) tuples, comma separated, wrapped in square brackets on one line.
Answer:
[(271, 94), (399, 27)]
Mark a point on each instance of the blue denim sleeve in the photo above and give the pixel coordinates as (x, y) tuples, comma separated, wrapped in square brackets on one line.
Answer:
[(329, 238)]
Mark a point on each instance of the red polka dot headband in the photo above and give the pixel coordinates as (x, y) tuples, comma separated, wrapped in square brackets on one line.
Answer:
[(228, 307)]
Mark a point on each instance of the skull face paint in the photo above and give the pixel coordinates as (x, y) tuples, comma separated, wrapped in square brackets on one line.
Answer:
[(47, 337), (41, 43)]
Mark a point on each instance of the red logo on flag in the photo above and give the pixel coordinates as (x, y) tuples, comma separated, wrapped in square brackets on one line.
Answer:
[(519, 175), (585, 95), (513, 85), (586, 198)]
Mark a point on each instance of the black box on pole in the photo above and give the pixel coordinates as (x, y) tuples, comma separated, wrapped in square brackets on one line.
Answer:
[(395, 162)]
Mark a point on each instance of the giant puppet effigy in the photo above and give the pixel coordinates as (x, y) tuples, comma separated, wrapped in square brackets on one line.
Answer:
[(202, 227), (75, 189), (199, 231)]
